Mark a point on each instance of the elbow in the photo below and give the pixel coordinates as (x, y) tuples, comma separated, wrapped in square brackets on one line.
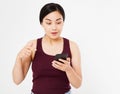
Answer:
[(16, 81), (78, 84)]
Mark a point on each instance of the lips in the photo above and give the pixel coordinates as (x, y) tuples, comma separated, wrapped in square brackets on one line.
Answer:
[(53, 33)]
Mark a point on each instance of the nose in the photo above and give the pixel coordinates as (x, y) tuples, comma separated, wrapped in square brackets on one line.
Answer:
[(54, 27)]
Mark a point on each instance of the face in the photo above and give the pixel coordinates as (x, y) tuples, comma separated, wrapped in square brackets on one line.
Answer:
[(53, 24)]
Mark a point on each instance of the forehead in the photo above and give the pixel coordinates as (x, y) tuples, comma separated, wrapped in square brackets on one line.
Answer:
[(53, 16)]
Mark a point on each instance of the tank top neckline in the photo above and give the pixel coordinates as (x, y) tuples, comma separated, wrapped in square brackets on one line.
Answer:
[(51, 54)]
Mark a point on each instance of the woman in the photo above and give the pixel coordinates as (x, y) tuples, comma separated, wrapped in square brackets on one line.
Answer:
[(49, 75)]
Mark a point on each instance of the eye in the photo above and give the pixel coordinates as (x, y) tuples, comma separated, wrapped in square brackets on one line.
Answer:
[(48, 23), (58, 22)]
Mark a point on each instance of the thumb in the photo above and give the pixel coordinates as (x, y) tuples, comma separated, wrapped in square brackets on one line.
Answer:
[(68, 59), (30, 44)]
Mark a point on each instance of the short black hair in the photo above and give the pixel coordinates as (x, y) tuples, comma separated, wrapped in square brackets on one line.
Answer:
[(51, 7)]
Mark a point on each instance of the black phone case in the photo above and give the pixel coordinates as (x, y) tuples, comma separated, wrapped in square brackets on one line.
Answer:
[(61, 56)]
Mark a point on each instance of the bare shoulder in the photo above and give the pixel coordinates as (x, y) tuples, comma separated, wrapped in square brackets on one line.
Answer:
[(73, 45), (75, 51)]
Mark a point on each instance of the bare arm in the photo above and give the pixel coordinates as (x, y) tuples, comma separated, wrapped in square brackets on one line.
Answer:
[(73, 72), (22, 64)]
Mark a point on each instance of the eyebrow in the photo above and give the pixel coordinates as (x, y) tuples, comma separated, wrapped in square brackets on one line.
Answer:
[(56, 19)]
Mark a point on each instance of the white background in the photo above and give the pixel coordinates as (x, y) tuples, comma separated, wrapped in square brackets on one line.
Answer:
[(93, 24)]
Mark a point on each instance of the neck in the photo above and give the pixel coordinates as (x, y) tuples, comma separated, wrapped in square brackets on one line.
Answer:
[(50, 40)]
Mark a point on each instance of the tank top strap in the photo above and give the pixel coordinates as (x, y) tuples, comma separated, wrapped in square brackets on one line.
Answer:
[(67, 47), (39, 44)]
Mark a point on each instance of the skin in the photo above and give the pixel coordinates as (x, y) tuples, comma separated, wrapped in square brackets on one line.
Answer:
[(52, 43)]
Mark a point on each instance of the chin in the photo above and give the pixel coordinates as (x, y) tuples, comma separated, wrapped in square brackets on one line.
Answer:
[(55, 37)]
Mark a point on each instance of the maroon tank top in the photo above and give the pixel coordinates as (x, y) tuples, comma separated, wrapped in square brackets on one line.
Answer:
[(47, 79)]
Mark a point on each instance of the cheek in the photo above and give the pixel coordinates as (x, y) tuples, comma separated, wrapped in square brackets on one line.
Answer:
[(46, 28), (60, 27)]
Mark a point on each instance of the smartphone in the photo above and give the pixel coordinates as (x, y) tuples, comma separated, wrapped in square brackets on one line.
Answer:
[(61, 56)]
